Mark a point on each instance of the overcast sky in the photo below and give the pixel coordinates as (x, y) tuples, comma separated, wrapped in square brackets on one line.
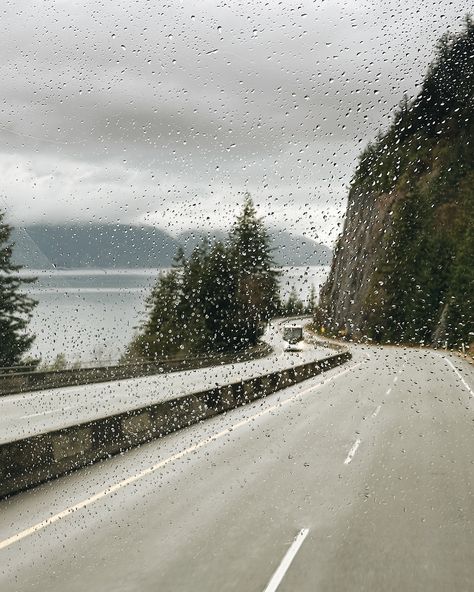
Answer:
[(166, 113)]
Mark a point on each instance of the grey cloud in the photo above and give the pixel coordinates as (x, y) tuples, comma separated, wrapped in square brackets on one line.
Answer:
[(131, 110)]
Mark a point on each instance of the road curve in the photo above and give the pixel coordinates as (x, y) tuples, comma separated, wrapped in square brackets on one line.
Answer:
[(359, 479), (38, 412)]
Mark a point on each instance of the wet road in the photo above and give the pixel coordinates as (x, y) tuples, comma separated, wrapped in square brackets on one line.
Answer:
[(358, 479)]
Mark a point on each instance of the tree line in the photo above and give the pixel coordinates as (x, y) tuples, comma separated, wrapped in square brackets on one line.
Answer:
[(16, 307), (218, 299)]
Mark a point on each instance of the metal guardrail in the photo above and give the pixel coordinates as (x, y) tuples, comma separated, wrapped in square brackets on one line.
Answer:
[(19, 379), (19, 382), (7, 370)]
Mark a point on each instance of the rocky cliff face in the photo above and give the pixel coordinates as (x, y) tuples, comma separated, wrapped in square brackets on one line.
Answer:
[(403, 269), (346, 293)]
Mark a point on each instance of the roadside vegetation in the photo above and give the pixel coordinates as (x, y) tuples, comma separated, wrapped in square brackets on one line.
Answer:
[(215, 301), (421, 289), (16, 307), (295, 306)]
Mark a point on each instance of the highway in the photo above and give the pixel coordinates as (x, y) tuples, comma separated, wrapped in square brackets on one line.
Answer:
[(33, 413), (358, 479)]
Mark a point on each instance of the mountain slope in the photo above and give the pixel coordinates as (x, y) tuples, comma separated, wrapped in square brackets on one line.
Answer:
[(403, 266)]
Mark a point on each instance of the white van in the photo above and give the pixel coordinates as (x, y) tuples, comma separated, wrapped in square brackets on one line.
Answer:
[(293, 337)]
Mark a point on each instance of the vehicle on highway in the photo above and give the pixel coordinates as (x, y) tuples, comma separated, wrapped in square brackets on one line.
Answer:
[(293, 337)]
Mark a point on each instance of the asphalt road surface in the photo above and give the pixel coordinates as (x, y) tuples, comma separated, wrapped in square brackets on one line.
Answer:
[(29, 414), (359, 479)]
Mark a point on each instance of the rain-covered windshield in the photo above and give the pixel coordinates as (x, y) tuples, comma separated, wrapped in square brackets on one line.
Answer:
[(236, 296)]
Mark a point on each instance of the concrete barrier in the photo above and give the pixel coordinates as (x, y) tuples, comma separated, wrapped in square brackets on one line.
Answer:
[(31, 461)]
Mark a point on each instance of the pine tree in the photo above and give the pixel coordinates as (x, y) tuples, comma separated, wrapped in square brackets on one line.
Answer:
[(160, 334), (294, 305), (190, 306), (218, 297), (312, 300), (258, 290), (460, 300), (179, 260), (216, 300), (15, 306)]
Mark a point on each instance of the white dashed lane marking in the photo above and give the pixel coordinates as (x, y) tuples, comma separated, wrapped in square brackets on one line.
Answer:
[(286, 561), (352, 452), (377, 411)]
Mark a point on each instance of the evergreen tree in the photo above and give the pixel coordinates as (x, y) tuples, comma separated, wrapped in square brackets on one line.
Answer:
[(160, 335), (460, 300), (217, 300), (257, 290), (15, 306), (312, 300), (179, 260), (190, 306), (294, 306)]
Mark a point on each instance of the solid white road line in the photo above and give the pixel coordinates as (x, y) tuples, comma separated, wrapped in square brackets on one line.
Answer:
[(461, 377), (352, 451), (286, 561), (121, 484)]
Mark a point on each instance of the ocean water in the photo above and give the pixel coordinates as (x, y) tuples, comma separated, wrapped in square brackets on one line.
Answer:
[(91, 315)]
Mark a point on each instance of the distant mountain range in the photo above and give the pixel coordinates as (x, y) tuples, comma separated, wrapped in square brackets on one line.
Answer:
[(93, 246), (108, 246), (288, 249)]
